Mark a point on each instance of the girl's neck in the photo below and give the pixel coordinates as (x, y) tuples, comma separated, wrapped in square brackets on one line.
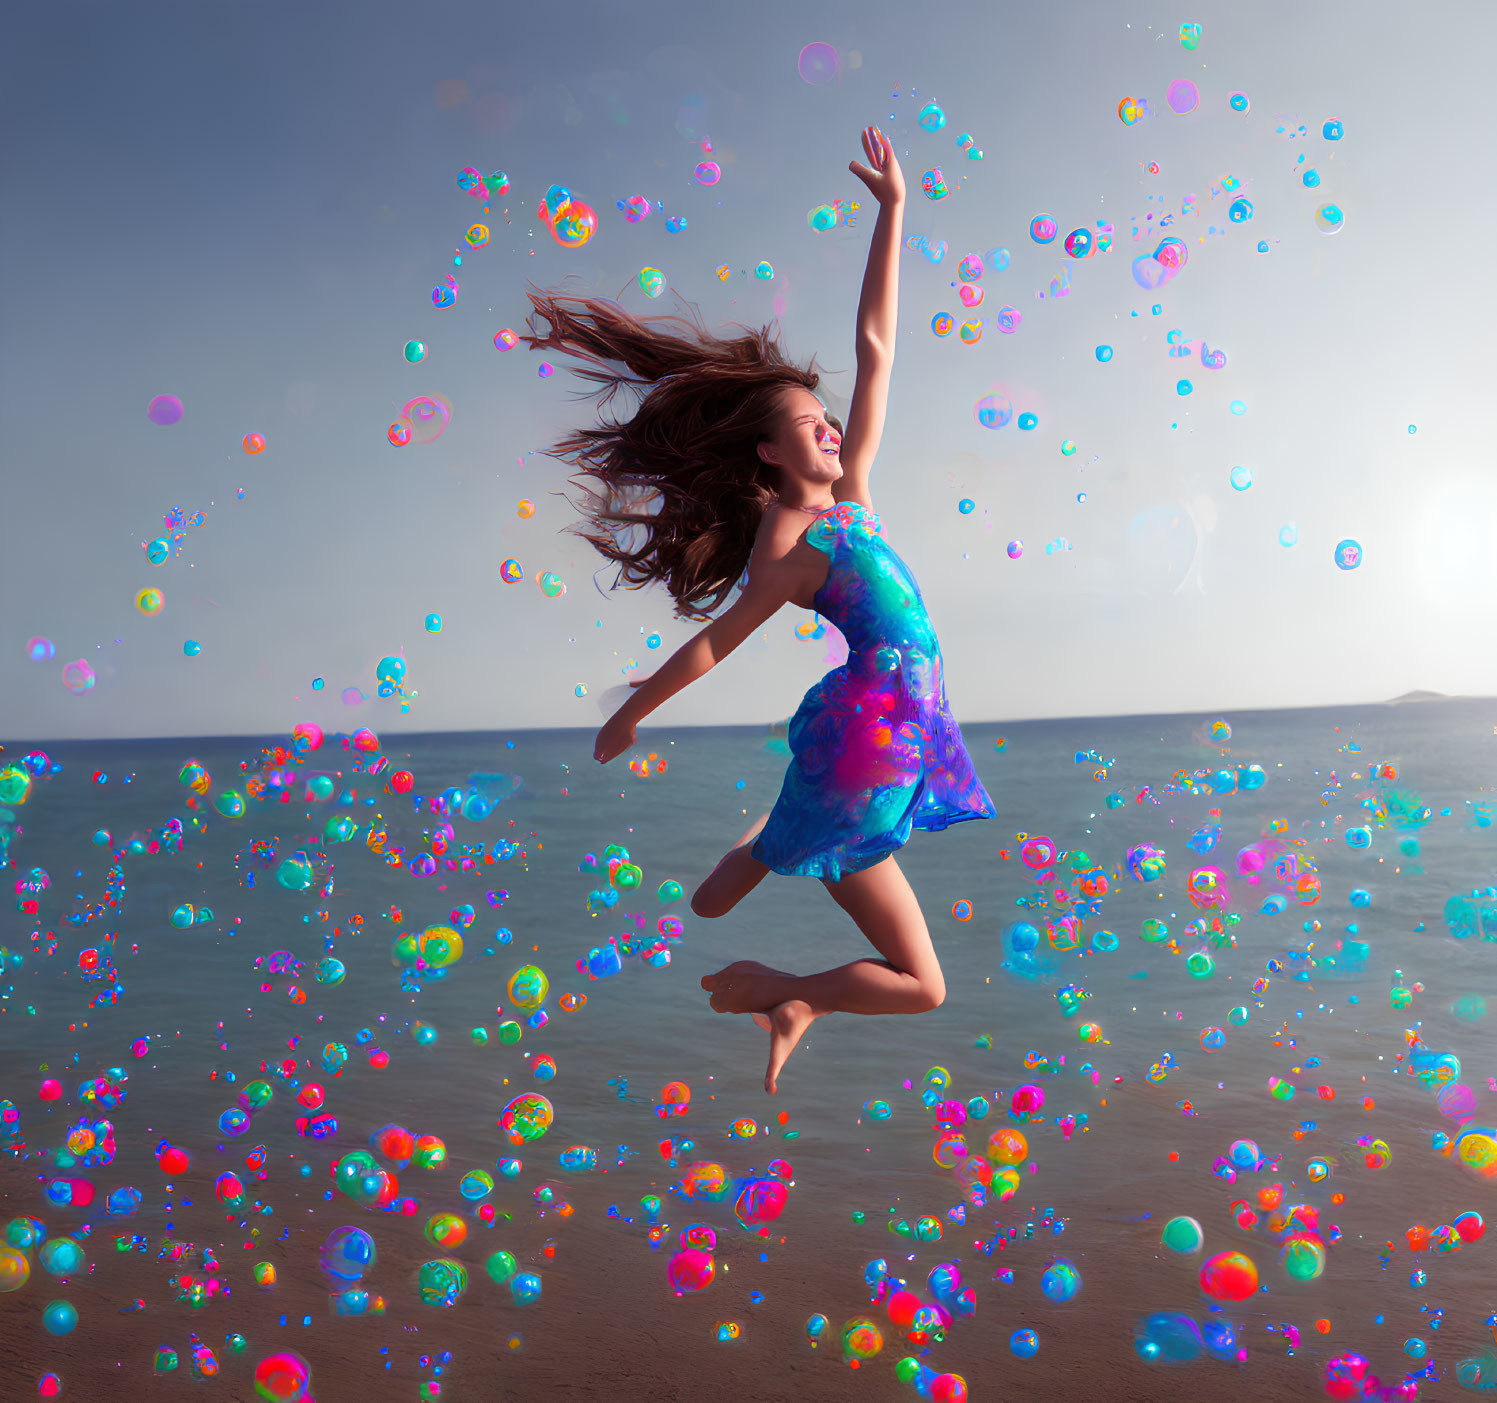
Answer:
[(815, 510)]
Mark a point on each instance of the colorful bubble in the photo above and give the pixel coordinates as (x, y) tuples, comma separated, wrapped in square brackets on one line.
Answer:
[(994, 411), (164, 410), (931, 118), (1182, 96), (1229, 1276), (1348, 555), (818, 63), (78, 676), (1183, 1235), (1329, 219)]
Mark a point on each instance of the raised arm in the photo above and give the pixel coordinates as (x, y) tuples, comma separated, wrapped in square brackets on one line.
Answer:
[(771, 583), (878, 319)]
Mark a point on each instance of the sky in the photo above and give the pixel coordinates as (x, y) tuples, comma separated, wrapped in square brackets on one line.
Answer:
[(248, 208)]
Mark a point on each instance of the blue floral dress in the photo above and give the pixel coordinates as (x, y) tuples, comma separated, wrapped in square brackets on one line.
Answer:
[(875, 750)]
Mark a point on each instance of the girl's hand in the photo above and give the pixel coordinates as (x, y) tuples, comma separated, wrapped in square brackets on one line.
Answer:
[(885, 180), (616, 736)]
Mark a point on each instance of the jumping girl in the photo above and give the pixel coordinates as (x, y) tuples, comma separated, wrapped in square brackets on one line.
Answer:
[(729, 464)]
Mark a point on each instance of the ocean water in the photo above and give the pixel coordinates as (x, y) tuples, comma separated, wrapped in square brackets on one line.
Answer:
[(1134, 1128)]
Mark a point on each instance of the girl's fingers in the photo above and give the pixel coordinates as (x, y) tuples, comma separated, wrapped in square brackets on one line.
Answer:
[(860, 170)]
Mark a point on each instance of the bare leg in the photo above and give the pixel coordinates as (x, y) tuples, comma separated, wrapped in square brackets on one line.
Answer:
[(907, 980), (734, 877)]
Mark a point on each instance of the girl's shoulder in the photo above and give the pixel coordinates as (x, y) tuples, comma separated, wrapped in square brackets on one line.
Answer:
[(850, 521)]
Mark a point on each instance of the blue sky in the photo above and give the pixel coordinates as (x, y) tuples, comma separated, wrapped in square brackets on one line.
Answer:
[(248, 209)]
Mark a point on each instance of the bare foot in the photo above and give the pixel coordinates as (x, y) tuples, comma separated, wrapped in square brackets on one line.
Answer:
[(787, 1023), (746, 986)]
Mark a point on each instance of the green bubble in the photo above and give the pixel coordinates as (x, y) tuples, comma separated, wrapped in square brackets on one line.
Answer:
[(1182, 1235), (501, 1267)]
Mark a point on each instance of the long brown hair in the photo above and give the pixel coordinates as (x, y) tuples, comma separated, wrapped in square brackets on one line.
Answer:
[(676, 491)]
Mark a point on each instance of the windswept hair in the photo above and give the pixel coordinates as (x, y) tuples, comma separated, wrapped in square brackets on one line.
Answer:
[(676, 491)]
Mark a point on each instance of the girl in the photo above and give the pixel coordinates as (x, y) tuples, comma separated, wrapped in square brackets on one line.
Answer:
[(730, 461)]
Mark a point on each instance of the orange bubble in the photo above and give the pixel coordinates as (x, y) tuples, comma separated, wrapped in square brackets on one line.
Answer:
[(1324, 1326)]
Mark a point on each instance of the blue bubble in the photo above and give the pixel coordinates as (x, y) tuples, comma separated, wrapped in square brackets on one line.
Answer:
[(1183, 387), (1242, 478), (1104, 354), (1311, 179), (1348, 554), (1024, 1343), (1333, 130)]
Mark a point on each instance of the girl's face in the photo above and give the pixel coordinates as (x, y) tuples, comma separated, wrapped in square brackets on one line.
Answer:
[(806, 442)]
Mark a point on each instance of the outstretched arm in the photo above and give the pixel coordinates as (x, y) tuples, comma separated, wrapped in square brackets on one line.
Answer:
[(770, 585), (878, 319)]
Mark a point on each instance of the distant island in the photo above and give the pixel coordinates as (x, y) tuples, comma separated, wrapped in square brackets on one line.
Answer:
[(1418, 697)]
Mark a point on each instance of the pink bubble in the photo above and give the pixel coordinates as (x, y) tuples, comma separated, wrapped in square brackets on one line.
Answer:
[(78, 676), (164, 410), (50, 1090), (818, 64), (1182, 96), (1028, 1099), (308, 735), (690, 1270)]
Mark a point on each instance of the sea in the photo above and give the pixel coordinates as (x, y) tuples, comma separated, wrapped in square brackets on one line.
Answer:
[(1227, 969)]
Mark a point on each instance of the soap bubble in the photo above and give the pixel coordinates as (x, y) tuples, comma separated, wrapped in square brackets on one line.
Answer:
[(931, 118), (1348, 554), (78, 676), (818, 64), (575, 225), (1242, 478), (690, 1270), (427, 416), (994, 411), (40, 650), (164, 410), (1329, 219), (1182, 96), (1183, 1235), (1060, 1281), (1229, 1276)]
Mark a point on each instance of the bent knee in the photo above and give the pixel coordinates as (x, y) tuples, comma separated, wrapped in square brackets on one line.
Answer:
[(704, 906), (932, 993)]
